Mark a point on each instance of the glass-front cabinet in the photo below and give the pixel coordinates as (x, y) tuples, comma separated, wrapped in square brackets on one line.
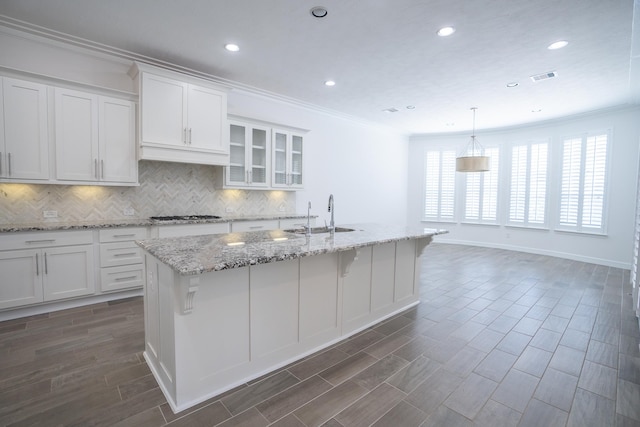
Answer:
[(287, 171), (249, 160)]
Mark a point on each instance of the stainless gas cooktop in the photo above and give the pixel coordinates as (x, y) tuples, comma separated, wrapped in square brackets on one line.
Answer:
[(182, 217)]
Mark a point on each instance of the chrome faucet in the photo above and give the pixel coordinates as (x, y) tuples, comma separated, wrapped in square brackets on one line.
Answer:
[(307, 228), (332, 225)]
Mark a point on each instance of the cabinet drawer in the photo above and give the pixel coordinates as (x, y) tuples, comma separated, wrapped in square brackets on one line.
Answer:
[(125, 277), (289, 223), (181, 230), (123, 234), (125, 253), (254, 225), (9, 241)]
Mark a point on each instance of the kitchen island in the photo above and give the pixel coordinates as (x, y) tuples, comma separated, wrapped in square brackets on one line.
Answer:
[(221, 310)]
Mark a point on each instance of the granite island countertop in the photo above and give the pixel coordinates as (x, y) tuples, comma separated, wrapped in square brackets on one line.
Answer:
[(200, 254), (133, 222)]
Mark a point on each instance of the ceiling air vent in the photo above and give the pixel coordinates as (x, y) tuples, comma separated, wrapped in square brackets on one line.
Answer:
[(544, 76)]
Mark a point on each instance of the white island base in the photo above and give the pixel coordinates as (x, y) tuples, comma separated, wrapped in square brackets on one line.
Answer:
[(211, 332)]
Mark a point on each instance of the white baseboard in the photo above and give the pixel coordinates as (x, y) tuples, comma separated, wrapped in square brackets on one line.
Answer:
[(557, 254)]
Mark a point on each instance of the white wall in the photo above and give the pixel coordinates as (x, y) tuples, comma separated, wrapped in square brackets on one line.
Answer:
[(614, 249), (362, 164)]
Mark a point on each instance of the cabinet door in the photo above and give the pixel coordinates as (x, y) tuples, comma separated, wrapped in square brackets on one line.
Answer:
[(287, 161), (249, 147), (237, 173), (68, 272), (26, 151), (118, 161), (206, 109), (21, 282), (163, 109), (279, 173), (295, 162), (258, 174), (76, 136)]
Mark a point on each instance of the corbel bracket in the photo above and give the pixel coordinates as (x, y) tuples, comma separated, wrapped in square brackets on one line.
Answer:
[(346, 259), (188, 290), (422, 243)]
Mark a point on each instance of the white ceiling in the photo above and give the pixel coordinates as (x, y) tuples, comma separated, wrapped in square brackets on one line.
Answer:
[(382, 53)]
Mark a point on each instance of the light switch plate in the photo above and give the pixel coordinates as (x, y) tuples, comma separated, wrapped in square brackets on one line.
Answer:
[(129, 211), (50, 214)]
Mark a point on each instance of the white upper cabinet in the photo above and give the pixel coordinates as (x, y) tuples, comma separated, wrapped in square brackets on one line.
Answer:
[(249, 156), (24, 143), (95, 138), (182, 119), (287, 160), (117, 140)]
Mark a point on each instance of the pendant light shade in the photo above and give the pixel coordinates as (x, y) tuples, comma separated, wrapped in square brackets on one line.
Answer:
[(472, 158)]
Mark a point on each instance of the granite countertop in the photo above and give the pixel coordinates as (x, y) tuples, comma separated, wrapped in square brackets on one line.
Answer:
[(201, 254), (134, 222)]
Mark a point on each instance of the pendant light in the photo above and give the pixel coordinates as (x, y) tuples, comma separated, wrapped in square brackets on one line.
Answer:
[(472, 158)]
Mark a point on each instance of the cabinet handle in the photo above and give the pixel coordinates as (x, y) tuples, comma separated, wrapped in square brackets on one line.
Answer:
[(125, 254), (123, 235), (190, 136), (122, 279), (95, 168), (0, 163), (9, 163), (102, 169), (247, 178), (250, 177), (256, 227), (37, 266), (46, 267), (184, 136), (40, 241)]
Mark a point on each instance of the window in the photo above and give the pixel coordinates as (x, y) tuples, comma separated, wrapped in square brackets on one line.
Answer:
[(527, 204), (440, 175), (481, 195), (582, 194)]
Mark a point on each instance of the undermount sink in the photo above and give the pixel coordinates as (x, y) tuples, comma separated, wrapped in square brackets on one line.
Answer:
[(320, 230)]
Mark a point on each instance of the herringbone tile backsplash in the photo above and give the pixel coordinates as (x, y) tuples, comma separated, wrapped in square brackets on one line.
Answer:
[(165, 189)]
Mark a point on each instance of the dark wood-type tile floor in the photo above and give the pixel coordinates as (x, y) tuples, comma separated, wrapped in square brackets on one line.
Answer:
[(500, 339)]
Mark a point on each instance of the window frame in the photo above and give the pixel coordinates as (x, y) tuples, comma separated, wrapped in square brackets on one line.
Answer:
[(439, 217), (465, 188), (526, 223), (579, 227)]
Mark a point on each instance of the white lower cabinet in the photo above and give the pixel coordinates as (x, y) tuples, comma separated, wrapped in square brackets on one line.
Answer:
[(121, 260), (56, 268), (68, 272), (254, 225), (21, 282), (182, 230)]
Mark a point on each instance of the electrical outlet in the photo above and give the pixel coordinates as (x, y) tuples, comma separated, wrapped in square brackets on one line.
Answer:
[(50, 214), (129, 212)]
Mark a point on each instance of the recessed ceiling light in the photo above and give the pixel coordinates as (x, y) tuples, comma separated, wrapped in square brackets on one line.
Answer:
[(319, 12), (411, 107), (536, 110), (329, 83), (232, 47), (446, 31), (512, 84), (558, 45)]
